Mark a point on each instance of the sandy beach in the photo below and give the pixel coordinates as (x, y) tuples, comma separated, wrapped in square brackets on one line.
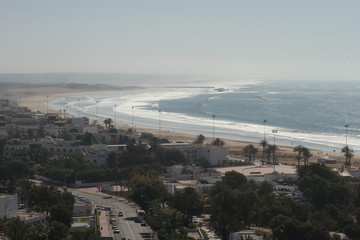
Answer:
[(37, 100)]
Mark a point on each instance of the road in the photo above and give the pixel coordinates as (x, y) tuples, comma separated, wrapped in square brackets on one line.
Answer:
[(128, 228)]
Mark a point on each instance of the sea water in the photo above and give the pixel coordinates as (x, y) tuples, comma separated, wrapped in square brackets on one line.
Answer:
[(310, 113)]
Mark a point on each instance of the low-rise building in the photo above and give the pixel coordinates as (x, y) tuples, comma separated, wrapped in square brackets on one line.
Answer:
[(31, 218), (245, 234), (8, 205), (83, 209), (215, 155), (14, 146)]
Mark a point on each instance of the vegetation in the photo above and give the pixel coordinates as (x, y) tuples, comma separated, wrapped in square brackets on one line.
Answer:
[(330, 203)]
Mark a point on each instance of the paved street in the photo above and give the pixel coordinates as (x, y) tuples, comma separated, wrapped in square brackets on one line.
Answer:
[(128, 228)]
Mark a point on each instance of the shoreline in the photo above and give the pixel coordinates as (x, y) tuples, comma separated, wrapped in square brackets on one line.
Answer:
[(39, 102)]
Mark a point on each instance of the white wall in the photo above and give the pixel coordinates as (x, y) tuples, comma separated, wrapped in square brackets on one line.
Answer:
[(8, 206)]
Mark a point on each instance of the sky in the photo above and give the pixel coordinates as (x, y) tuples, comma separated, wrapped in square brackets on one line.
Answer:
[(277, 39)]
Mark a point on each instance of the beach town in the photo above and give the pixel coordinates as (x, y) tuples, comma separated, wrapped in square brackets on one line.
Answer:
[(202, 164)]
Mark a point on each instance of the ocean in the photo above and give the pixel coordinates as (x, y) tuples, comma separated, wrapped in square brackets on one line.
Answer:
[(310, 113)]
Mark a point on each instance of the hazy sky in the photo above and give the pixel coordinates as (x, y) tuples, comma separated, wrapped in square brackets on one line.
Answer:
[(246, 39)]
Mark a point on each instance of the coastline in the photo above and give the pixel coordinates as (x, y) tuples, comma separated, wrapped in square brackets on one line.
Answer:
[(40, 102)]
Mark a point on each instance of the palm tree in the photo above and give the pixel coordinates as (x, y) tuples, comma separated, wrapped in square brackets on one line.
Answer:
[(250, 152), (348, 153), (218, 142), (107, 122), (199, 139), (272, 150), (299, 149), (263, 144), (15, 229), (306, 154)]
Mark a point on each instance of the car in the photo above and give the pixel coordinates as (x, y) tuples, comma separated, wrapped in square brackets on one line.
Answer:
[(116, 231), (143, 223), (120, 214)]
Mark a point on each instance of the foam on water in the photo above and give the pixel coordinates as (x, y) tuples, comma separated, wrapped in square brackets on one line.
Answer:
[(227, 124)]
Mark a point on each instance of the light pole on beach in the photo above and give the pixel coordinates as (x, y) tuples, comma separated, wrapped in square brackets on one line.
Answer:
[(274, 131), (346, 132), (115, 115), (214, 127), (78, 107), (97, 111), (33, 102), (47, 104), (132, 118), (265, 129), (159, 124)]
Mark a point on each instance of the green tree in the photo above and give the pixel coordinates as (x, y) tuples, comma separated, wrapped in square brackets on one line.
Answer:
[(146, 189), (108, 122), (249, 152), (321, 186), (38, 232), (234, 179), (263, 144), (61, 213), (349, 154), (17, 168), (218, 142), (352, 231), (58, 231), (306, 154), (199, 139), (15, 229), (271, 150), (188, 201), (298, 149)]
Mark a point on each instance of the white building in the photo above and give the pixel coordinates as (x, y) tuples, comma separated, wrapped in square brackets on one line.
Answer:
[(82, 209), (244, 235), (215, 155), (13, 146), (8, 205)]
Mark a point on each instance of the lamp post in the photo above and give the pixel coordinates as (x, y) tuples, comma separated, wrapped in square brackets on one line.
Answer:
[(159, 124), (274, 131), (33, 102), (265, 129), (66, 103), (78, 107), (214, 127), (97, 111), (47, 104), (115, 115), (346, 132), (132, 118)]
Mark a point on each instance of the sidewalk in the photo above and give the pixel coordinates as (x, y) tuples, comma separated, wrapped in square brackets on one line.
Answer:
[(105, 227)]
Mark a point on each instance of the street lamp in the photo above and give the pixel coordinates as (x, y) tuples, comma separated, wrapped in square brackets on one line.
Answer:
[(47, 104), (159, 124), (97, 111), (78, 107), (132, 118), (115, 115), (265, 129), (346, 132), (33, 102), (214, 127), (274, 131)]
